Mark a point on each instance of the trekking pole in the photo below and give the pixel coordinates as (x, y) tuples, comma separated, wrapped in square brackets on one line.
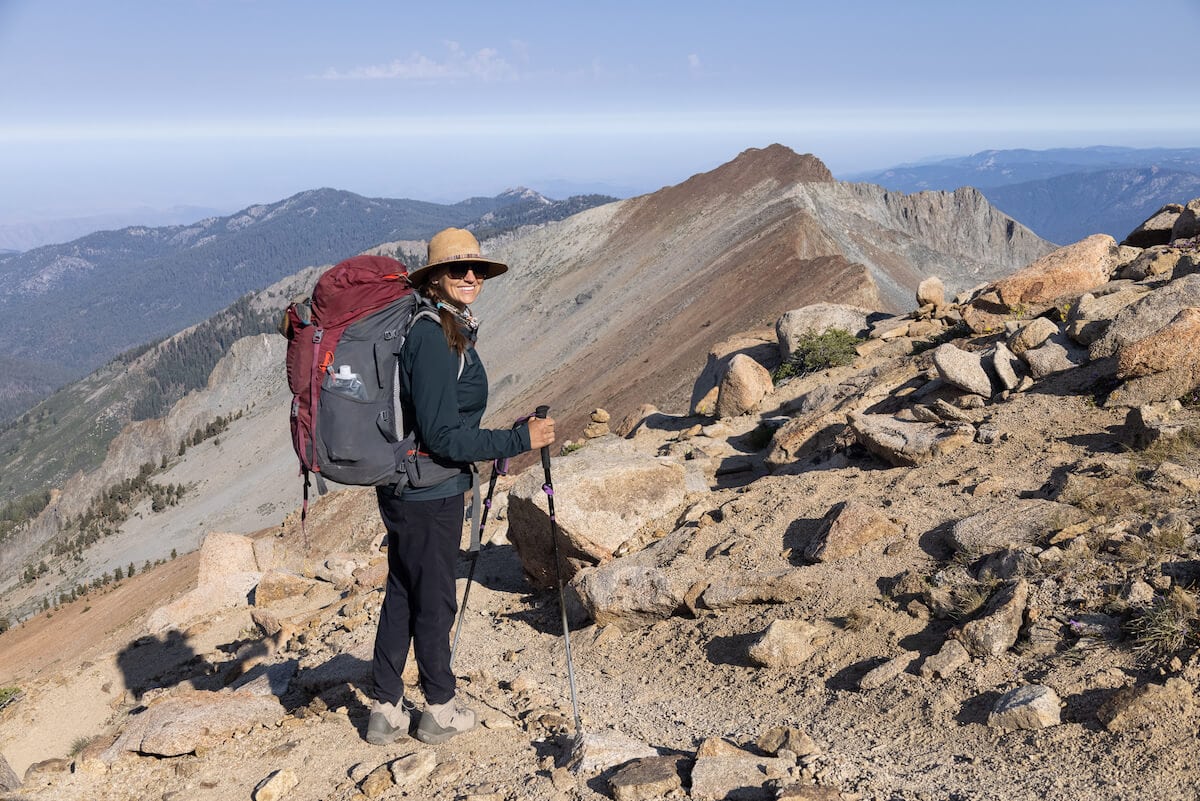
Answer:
[(543, 411), (499, 468)]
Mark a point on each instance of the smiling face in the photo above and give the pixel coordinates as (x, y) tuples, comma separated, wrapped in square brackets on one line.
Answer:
[(461, 291)]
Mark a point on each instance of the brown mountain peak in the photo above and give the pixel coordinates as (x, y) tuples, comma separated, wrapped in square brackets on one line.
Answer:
[(783, 163), (752, 167)]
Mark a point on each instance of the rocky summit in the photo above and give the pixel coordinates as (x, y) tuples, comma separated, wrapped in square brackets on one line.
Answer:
[(950, 554)]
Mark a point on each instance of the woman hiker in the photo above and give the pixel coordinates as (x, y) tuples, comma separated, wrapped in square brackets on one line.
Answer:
[(443, 393)]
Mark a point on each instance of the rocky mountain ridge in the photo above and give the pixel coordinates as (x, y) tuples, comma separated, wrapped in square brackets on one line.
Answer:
[(617, 305), (770, 228), (959, 566), (1062, 194)]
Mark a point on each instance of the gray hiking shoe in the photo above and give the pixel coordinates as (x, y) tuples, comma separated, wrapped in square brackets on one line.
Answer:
[(440, 722), (389, 722)]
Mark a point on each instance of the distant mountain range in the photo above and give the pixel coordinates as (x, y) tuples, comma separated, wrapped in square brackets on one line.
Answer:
[(29, 234), (69, 308), (1062, 194)]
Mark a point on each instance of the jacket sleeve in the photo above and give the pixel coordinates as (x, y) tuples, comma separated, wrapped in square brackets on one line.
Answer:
[(433, 384)]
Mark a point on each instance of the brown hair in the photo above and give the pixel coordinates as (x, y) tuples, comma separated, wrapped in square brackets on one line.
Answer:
[(450, 324)]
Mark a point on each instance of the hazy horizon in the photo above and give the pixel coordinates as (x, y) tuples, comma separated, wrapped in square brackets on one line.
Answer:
[(223, 103)]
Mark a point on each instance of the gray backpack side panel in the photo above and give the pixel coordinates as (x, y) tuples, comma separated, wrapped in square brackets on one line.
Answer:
[(355, 426)]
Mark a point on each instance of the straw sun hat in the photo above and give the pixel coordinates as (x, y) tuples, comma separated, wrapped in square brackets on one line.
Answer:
[(455, 246)]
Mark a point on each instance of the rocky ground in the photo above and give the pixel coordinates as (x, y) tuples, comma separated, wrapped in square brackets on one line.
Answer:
[(960, 567)]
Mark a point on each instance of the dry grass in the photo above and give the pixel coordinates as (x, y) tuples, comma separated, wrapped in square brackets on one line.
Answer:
[(1134, 552), (1119, 495), (78, 744), (1183, 450), (856, 620), (970, 598), (1165, 628), (1166, 540)]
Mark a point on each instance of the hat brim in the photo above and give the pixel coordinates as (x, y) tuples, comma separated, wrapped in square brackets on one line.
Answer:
[(494, 268)]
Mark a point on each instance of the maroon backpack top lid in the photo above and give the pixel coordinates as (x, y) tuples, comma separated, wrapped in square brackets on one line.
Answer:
[(356, 287)]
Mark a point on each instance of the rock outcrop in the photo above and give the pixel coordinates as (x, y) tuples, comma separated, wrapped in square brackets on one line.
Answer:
[(613, 495)]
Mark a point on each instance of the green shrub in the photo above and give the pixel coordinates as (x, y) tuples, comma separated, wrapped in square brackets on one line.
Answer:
[(814, 352)]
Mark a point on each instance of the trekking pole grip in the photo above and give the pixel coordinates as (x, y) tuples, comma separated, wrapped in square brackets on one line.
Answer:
[(544, 412)]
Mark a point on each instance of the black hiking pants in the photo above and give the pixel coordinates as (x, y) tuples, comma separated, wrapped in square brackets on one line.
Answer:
[(419, 603)]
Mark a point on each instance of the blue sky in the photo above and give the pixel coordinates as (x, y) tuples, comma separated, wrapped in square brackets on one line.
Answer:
[(224, 103)]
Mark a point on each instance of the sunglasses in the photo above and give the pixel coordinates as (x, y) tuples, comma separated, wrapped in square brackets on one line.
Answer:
[(459, 271)]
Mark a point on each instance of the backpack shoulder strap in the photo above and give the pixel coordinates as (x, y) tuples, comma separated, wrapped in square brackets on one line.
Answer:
[(426, 310)]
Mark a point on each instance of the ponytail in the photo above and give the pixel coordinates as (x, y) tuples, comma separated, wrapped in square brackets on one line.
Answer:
[(453, 331), (451, 325)]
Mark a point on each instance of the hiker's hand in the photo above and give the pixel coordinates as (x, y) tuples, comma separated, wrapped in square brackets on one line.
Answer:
[(541, 432)]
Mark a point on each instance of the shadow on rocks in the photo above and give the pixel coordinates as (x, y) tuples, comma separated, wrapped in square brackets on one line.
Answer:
[(658, 421), (332, 685), (151, 663), (498, 567), (1081, 707), (738, 471), (1052, 487), (1111, 440), (977, 709), (929, 640), (540, 611), (936, 541), (1184, 572), (1096, 378), (848, 677), (800, 533), (731, 650)]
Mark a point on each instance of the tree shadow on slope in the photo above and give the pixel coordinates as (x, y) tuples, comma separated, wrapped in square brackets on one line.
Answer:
[(151, 662)]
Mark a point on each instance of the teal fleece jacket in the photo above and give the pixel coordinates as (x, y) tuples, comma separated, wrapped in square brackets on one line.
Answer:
[(446, 409)]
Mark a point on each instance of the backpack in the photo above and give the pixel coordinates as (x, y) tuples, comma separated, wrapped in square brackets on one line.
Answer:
[(343, 370)]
